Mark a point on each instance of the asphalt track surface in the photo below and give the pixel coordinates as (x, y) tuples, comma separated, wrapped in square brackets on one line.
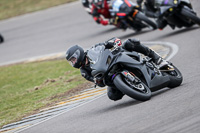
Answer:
[(56, 29)]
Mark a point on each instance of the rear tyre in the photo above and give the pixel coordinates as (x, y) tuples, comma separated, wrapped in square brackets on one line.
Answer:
[(128, 89), (141, 17), (190, 15), (175, 77)]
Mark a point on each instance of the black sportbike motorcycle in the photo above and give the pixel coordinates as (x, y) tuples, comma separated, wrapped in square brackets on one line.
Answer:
[(131, 73), (128, 13), (177, 13)]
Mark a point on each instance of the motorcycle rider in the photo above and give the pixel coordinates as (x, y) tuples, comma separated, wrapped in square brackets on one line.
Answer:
[(78, 59), (150, 10)]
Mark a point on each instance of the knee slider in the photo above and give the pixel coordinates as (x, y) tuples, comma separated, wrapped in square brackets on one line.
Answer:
[(114, 94)]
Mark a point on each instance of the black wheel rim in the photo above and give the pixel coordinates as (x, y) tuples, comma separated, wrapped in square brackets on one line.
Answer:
[(136, 86)]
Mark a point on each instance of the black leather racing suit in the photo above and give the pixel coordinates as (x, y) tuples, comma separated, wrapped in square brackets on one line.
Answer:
[(129, 45)]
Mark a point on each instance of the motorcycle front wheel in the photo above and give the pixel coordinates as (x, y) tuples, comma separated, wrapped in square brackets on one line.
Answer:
[(141, 17), (139, 92), (190, 15)]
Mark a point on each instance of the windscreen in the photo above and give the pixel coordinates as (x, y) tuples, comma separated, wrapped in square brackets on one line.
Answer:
[(94, 53)]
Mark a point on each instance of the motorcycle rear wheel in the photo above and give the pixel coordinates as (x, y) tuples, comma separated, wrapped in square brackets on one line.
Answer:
[(188, 14), (176, 78), (141, 17), (129, 90)]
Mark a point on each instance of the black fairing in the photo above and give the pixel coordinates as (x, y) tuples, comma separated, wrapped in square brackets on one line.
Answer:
[(105, 68), (174, 17), (153, 81), (101, 66)]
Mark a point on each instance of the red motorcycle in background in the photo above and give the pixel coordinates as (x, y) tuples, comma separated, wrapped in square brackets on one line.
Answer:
[(129, 14)]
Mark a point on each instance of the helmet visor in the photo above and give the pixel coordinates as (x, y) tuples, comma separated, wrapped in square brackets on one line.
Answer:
[(73, 59)]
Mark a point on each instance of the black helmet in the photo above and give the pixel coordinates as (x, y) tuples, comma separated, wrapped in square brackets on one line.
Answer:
[(98, 3), (114, 41), (75, 55)]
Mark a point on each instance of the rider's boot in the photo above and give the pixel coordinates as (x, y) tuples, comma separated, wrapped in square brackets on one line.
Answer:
[(158, 60), (163, 64), (114, 94), (135, 45)]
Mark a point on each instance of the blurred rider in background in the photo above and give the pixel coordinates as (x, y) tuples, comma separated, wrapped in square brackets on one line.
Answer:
[(78, 59), (150, 10), (99, 9)]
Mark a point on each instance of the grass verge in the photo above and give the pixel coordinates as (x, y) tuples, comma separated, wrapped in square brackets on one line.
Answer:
[(11, 8), (26, 88)]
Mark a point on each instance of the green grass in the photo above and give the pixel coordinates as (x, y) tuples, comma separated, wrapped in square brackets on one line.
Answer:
[(11, 8), (25, 88)]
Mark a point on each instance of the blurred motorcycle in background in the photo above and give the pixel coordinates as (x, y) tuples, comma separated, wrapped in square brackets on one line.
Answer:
[(1, 38), (129, 14), (177, 13)]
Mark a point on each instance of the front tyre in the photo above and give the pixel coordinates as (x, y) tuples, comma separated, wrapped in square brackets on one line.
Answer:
[(143, 93), (190, 15), (141, 17)]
